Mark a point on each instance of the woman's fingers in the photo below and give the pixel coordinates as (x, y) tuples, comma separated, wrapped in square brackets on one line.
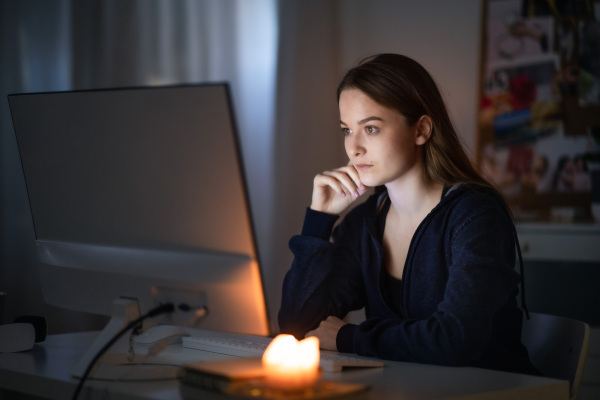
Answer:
[(335, 190), (347, 176), (327, 332), (353, 173), (344, 180), (326, 180)]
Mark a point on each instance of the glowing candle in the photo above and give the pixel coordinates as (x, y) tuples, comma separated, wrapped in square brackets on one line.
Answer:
[(291, 364)]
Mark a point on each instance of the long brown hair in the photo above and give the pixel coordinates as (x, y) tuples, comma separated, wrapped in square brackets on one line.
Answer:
[(402, 84)]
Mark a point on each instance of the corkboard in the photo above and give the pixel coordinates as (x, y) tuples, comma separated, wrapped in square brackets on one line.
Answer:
[(540, 106)]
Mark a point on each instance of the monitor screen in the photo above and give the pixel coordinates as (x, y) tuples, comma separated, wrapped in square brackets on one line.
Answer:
[(140, 193)]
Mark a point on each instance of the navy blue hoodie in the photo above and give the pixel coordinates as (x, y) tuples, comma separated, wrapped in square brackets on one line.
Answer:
[(459, 287)]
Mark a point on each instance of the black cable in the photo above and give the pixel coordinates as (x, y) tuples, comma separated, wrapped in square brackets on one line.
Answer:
[(162, 309)]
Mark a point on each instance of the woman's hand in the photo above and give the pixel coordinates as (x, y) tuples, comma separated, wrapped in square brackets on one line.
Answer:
[(334, 191), (327, 332)]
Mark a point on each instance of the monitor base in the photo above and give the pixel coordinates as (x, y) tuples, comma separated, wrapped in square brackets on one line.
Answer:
[(124, 311)]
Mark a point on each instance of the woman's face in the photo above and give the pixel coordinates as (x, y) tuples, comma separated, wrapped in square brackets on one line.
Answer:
[(380, 144)]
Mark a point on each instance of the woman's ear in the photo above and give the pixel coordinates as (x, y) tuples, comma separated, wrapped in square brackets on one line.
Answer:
[(424, 129)]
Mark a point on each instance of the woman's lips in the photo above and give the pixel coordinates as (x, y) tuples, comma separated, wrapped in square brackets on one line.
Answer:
[(362, 167)]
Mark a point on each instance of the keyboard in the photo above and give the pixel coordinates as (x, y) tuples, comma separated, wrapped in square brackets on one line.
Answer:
[(330, 361)]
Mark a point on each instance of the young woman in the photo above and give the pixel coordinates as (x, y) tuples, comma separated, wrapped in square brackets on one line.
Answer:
[(430, 255)]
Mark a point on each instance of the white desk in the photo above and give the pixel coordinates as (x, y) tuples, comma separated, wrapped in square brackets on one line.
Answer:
[(44, 371)]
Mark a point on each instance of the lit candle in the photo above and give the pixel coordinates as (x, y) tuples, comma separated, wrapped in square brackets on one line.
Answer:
[(291, 364)]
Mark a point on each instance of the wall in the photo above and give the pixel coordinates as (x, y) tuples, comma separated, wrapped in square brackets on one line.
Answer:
[(443, 36)]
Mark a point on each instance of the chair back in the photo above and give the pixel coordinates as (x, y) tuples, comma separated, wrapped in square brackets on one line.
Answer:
[(558, 347)]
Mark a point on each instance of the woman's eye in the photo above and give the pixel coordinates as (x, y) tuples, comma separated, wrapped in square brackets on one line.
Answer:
[(371, 129), (346, 131)]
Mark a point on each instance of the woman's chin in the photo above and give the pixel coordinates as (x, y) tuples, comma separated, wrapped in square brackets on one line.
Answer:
[(369, 181)]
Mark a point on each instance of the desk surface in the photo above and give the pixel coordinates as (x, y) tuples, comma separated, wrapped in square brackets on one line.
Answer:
[(45, 371)]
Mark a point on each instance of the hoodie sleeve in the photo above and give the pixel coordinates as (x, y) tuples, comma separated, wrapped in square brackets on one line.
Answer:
[(324, 278)]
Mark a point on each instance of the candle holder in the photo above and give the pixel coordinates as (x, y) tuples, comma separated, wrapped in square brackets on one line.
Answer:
[(288, 370), (261, 388)]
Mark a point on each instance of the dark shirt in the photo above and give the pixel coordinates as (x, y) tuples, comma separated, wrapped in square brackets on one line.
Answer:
[(392, 287)]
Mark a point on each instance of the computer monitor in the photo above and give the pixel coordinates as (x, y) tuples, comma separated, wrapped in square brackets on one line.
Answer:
[(139, 194)]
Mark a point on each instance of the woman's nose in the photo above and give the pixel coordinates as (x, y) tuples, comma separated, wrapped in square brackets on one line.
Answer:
[(354, 146)]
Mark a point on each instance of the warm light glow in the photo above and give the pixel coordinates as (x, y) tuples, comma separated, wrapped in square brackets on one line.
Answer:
[(291, 364)]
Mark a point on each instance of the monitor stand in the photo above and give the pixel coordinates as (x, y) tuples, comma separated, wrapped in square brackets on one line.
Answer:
[(119, 366), (125, 310)]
